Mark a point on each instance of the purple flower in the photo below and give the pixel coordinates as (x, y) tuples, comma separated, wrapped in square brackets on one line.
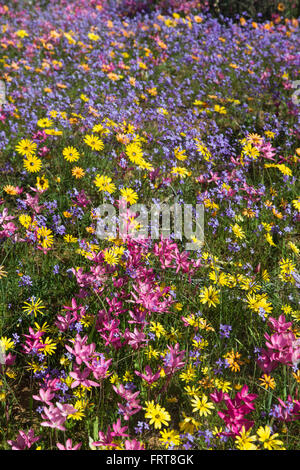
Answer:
[(225, 331), (25, 281)]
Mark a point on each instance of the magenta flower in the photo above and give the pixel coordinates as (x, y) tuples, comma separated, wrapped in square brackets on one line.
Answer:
[(135, 339), (82, 351), (69, 445), (24, 441), (81, 378), (45, 396), (130, 409), (149, 377), (174, 359), (282, 346), (105, 439), (55, 416), (77, 311), (132, 406), (134, 445), (63, 322), (100, 366), (4, 217), (118, 430), (124, 393), (287, 411), (236, 409), (10, 359), (8, 230)]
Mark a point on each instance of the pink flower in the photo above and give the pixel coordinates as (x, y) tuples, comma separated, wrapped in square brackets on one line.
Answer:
[(132, 406), (130, 409), (149, 377), (69, 445), (280, 325), (124, 393), (236, 409), (81, 378), (24, 441), (100, 366), (33, 203), (289, 410), (82, 351), (134, 445), (174, 359), (10, 359), (55, 416), (118, 430), (63, 322), (8, 230), (45, 396), (282, 346), (5, 217), (296, 351), (135, 339), (105, 439), (217, 396)]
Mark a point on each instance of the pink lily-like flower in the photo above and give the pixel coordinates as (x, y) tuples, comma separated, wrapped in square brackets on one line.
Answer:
[(33, 203), (33, 341), (266, 150), (53, 418), (105, 439), (8, 230), (69, 445), (114, 335), (134, 445), (81, 378), (76, 310), (138, 317), (149, 377), (65, 409), (4, 217), (289, 410), (118, 430), (165, 251), (24, 441), (296, 352), (100, 366), (150, 297), (282, 346), (63, 322), (45, 396), (246, 397), (81, 199), (124, 393), (82, 351), (217, 396), (174, 359), (181, 260), (130, 409), (132, 406), (135, 339), (236, 409), (9, 361), (280, 325)]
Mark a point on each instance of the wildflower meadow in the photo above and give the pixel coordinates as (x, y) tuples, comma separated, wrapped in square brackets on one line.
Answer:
[(149, 226)]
